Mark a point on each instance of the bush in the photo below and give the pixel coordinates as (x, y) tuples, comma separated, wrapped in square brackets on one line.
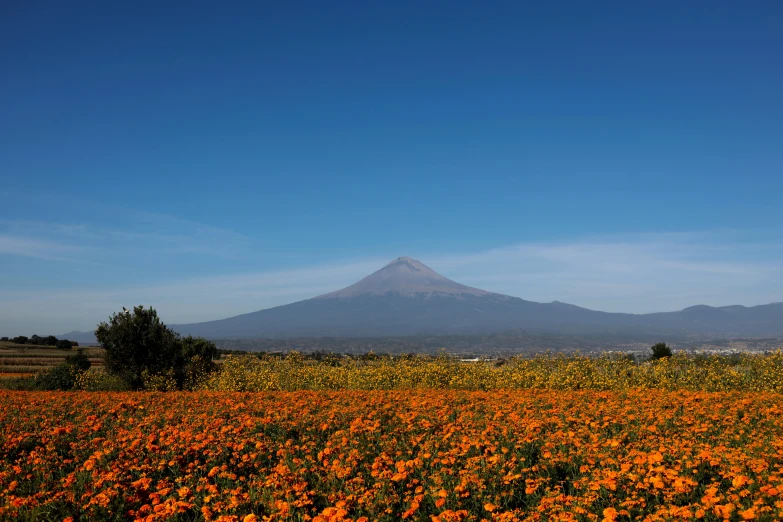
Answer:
[(197, 371), (164, 381), (19, 339), (4, 339), (100, 381), (79, 361), (660, 350), (61, 377)]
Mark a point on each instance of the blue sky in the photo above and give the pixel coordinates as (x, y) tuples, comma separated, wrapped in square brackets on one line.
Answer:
[(212, 160)]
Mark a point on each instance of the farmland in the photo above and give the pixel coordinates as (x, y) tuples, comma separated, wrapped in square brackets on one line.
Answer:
[(387, 455), (550, 437), (26, 360)]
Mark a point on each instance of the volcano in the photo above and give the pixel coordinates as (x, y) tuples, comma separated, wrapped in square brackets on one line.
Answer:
[(406, 297)]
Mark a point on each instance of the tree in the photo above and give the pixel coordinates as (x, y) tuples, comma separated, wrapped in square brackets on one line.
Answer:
[(660, 351), (50, 340), (63, 344), (197, 346), (19, 339), (4, 339), (138, 342)]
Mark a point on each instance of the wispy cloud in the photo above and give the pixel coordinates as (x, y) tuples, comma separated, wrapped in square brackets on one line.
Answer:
[(642, 273), (123, 231), (39, 249)]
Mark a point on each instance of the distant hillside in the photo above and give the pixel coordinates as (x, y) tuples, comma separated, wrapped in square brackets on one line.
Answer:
[(407, 298)]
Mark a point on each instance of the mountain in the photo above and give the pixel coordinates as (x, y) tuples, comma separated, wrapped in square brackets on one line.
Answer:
[(406, 297), (83, 338)]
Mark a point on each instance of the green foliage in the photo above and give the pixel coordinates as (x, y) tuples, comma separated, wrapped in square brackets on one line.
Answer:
[(660, 350), (146, 354), (164, 382), (60, 377), (136, 342), (197, 370), (100, 381), (37, 340), (63, 344), (63, 376), (197, 346), (79, 361), (19, 339)]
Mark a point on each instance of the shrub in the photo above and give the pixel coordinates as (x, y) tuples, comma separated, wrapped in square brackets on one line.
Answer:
[(64, 375), (19, 339), (197, 371), (60, 377), (4, 339), (164, 381), (100, 381), (79, 361)]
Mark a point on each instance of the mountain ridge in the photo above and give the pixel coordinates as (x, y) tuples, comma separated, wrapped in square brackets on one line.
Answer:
[(406, 297)]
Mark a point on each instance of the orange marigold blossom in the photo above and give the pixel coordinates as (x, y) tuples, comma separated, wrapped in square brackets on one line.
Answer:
[(384, 455)]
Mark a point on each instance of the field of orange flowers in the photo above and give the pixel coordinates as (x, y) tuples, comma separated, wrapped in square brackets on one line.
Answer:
[(437, 455)]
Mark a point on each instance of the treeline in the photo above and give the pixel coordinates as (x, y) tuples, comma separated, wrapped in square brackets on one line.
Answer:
[(657, 351), (506, 343), (37, 340)]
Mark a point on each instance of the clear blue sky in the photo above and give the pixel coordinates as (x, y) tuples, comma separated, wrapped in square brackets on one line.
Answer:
[(147, 146)]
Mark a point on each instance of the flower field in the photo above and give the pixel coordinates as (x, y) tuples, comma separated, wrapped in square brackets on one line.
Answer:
[(430, 455), (741, 372)]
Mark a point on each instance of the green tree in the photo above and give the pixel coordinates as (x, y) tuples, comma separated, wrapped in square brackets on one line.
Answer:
[(193, 346), (19, 339), (660, 351), (63, 344), (136, 343)]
